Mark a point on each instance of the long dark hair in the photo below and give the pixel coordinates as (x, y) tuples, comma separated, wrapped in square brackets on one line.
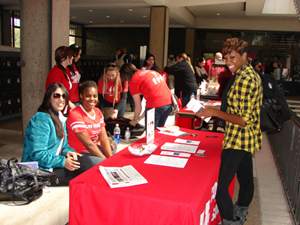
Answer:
[(61, 53), (47, 107), (75, 52), (127, 71)]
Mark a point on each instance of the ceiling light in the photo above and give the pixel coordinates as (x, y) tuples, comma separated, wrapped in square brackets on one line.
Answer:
[(122, 21), (144, 16), (107, 16), (73, 17), (90, 21), (130, 10), (218, 14), (90, 10)]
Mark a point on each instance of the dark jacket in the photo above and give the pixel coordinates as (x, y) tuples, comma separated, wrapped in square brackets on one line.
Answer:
[(185, 80)]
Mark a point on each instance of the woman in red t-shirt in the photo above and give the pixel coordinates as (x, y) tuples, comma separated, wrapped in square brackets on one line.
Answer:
[(63, 58), (112, 91), (73, 72), (152, 86)]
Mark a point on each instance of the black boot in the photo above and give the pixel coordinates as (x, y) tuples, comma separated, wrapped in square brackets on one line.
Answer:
[(240, 213)]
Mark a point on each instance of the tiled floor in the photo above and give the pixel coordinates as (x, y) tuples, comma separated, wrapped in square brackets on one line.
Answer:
[(268, 207)]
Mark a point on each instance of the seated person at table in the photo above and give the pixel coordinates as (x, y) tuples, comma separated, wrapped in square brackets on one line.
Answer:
[(86, 126), (46, 141)]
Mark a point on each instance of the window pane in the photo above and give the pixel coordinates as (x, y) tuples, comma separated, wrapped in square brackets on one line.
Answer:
[(71, 40), (17, 22), (17, 37), (72, 32)]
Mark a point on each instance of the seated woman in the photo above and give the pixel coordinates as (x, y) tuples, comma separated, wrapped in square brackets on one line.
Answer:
[(112, 92), (46, 141), (86, 125)]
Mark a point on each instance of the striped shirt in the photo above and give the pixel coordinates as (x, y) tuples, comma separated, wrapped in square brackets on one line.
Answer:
[(244, 99)]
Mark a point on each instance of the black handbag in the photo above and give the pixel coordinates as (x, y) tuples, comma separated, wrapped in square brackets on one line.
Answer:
[(22, 183), (270, 115)]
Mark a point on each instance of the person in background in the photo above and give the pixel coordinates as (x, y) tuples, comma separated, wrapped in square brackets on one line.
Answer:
[(200, 72), (73, 72), (185, 81), (150, 63), (86, 127), (112, 92), (152, 86), (171, 80), (63, 58), (118, 52), (213, 71), (256, 64), (46, 139), (276, 72), (242, 137), (223, 79), (126, 58)]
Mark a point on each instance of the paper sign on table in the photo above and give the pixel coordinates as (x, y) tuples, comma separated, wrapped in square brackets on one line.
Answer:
[(166, 161), (179, 147), (183, 141), (180, 154), (150, 125)]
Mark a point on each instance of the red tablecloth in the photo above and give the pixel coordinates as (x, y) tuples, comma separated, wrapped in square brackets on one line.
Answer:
[(171, 196)]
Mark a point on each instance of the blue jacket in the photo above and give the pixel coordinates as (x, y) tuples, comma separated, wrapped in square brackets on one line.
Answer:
[(41, 143)]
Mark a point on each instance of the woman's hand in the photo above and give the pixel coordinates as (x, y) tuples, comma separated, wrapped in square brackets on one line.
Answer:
[(73, 155), (133, 122), (114, 115), (206, 112), (71, 164)]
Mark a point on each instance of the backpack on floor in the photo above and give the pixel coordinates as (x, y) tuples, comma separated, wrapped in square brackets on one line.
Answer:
[(136, 130)]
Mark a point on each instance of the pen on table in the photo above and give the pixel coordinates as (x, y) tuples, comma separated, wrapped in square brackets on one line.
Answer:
[(212, 136)]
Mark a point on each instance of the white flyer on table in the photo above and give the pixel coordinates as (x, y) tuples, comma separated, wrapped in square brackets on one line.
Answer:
[(180, 154), (179, 147), (166, 161), (183, 141)]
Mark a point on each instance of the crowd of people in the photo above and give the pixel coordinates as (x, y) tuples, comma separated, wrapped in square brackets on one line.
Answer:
[(67, 135)]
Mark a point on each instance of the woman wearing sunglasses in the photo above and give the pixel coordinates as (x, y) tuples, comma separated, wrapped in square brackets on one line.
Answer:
[(73, 72), (112, 92), (46, 139), (152, 86), (63, 58), (86, 126)]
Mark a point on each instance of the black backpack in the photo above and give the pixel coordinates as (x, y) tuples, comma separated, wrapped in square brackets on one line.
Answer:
[(136, 130)]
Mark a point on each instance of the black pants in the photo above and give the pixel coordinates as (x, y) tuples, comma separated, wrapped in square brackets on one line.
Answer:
[(239, 162), (63, 176)]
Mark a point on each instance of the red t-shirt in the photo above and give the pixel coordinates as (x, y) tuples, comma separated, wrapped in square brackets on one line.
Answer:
[(152, 85), (109, 93), (80, 121), (56, 75), (74, 78)]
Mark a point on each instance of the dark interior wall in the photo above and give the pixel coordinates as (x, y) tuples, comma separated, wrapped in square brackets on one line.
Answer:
[(102, 42)]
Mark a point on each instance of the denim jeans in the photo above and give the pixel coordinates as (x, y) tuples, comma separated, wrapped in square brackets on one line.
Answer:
[(161, 115)]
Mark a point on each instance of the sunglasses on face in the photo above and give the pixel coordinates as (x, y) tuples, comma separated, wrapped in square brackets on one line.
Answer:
[(57, 95)]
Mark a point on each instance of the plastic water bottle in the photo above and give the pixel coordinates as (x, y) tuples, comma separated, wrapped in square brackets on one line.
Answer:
[(117, 132), (192, 96), (127, 134)]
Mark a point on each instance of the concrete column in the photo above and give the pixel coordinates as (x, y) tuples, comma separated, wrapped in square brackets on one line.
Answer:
[(159, 34), (39, 32), (190, 42), (60, 25)]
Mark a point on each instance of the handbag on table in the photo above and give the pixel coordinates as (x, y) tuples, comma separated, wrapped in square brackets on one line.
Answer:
[(22, 183)]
